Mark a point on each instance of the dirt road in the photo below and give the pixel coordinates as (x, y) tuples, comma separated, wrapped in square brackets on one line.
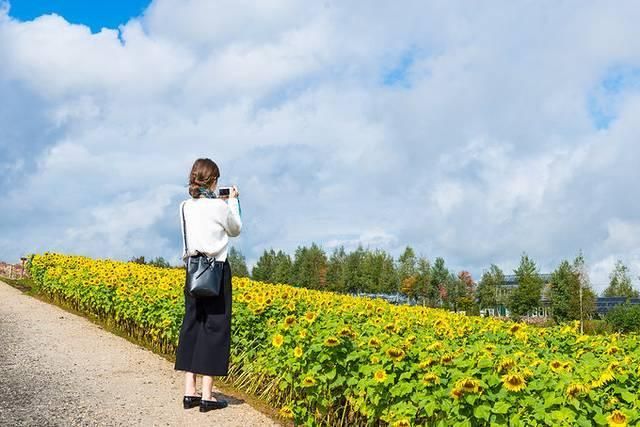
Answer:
[(60, 369)]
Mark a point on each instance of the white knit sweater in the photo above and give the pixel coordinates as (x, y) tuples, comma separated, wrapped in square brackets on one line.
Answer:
[(210, 223)]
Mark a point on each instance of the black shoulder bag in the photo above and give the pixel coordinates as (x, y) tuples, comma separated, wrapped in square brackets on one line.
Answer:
[(204, 273)]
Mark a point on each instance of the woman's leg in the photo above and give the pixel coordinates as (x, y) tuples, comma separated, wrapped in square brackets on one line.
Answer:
[(189, 384), (207, 385)]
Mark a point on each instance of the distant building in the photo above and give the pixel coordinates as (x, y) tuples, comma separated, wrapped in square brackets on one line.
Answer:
[(504, 291), (605, 304)]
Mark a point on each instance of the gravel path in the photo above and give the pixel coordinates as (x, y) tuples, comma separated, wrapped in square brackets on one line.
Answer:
[(60, 369)]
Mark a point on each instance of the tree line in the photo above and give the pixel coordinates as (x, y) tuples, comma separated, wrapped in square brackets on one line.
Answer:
[(432, 284)]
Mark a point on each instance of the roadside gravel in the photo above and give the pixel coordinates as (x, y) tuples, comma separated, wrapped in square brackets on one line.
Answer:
[(59, 369)]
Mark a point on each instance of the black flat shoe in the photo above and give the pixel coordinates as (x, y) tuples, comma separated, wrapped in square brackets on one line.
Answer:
[(208, 405), (190, 401)]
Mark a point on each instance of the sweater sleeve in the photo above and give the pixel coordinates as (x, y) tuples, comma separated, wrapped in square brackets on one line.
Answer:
[(233, 223)]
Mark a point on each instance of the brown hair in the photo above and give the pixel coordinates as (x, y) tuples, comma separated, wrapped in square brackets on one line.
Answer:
[(203, 173)]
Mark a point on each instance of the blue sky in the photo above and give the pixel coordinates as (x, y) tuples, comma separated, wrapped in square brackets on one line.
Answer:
[(94, 14), (470, 132)]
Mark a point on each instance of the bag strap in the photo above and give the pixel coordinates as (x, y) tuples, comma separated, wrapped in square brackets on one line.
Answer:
[(184, 229)]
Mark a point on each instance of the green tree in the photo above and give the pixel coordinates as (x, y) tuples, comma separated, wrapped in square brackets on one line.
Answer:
[(159, 262), (336, 270), (265, 266), (563, 280), (138, 260), (354, 277), (620, 283), (439, 281), (408, 273), (424, 289), (309, 268), (466, 300), (379, 272), (588, 294), (488, 291), (526, 296), (282, 267), (238, 263)]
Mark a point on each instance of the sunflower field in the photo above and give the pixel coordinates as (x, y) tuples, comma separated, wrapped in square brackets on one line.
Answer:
[(323, 358)]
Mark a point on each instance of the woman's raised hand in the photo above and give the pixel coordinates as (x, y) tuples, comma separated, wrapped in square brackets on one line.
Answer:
[(234, 191)]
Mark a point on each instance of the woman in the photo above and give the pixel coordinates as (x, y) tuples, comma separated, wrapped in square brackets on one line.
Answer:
[(205, 335)]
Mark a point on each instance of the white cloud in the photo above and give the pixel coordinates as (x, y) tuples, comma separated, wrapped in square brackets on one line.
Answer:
[(486, 148)]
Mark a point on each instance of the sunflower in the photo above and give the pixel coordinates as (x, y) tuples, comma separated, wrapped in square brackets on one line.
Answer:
[(612, 350), (346, 332), (288, 321), (302, 333), (396, 354), (310, 316), (456, 393), (613, 366), (604, 378), (557, 366), (575, 390), (426, 363), (374, 342), (297, 352), (514, 328), (469, 385), (380, 375), (331, 341), (308, 381), (374, 359), (435, 346), (430, 378), (447, 358), (402, 423), (514, 382), (617, 419), (277, 340), (286, 412), (505, 365)]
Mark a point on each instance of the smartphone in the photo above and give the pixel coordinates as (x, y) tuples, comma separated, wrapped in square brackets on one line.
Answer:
[(224, 191)]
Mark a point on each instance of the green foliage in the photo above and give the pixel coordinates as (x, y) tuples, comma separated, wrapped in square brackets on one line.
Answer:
[(566, 282), (379, 272), (237, 262), (265, 266), (282, 268), (309, 269), (336, 270), (562, 280), (440, 278), (487, 292), (620, 283), (526, 296), (624, 318), (156, 262)]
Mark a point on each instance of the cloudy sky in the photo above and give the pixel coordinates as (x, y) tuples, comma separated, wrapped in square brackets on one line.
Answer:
[(475, 131)]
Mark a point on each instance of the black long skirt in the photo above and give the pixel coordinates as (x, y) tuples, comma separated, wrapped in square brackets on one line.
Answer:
[(205, 336)]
